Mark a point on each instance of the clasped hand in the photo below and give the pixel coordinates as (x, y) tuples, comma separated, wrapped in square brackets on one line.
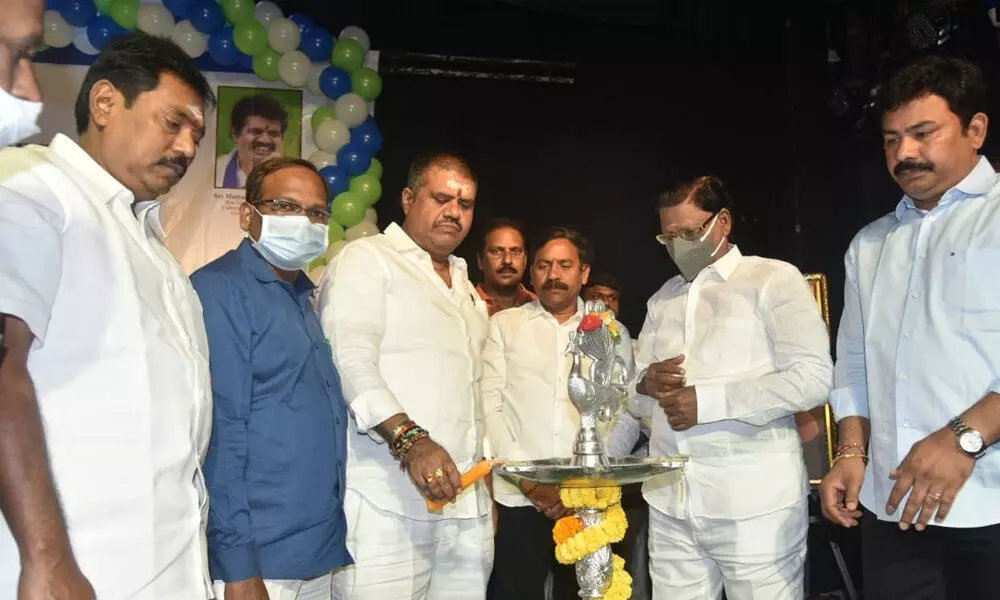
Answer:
[(665, 382)]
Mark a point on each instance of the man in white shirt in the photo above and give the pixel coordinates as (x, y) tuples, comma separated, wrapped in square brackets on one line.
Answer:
[(918, 351), (105, 385), (529, 414), (408, 327), (734, 347), (258, 124)]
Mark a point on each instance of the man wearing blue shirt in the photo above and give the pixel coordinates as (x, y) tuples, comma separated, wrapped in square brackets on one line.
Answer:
[(275, 466), (918, 352)]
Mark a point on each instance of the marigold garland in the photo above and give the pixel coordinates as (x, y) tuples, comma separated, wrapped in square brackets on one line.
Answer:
[(574, 541)]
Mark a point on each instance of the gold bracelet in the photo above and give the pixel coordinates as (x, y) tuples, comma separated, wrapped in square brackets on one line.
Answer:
[(838, 458)]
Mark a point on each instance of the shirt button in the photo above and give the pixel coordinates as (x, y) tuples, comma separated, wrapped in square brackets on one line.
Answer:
[(902, 377), (906, 424), (906, 336), (915, 295)]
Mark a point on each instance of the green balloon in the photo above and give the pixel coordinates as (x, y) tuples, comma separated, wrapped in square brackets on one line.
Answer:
[(375, 170), (323, 113), (250, 38), (125, 12), (368, 188), (238, 12), (103, 6), (335, 232), (265, 64), (366, 83), (348, 209), (348, 54)]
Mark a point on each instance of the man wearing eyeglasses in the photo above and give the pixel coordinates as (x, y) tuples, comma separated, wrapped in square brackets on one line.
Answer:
[(731, 349), (276, 463), (502, 258)]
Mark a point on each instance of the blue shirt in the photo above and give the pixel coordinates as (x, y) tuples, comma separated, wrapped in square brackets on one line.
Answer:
[(275, 465), (919, 340)]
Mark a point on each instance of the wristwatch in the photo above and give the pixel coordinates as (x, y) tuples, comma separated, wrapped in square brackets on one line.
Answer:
[(969, 440)]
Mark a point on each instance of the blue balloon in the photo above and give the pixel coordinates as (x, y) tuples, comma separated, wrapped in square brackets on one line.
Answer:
[(179, 8), (102, 29), (337, 179), (367, 137), (303, 21), (77, 12), (56, 5), (206, 16), (222, 48), (353, 159), (334, 82), (317, 44), (245, 61)]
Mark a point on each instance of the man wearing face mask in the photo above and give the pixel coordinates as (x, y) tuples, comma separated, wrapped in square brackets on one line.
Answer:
[(275, 466), (105, 344), (20, 100), (731, 349)]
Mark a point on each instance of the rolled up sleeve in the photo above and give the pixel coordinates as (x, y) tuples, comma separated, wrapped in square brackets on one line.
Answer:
[(849, 397), (31, 257), (352, 310)]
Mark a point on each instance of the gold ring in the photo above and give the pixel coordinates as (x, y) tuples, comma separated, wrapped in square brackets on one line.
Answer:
[(438, 474), (429, 479), (934, 497)]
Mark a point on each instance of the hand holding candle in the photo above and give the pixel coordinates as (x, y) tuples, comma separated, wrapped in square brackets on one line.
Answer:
[(470, 477)]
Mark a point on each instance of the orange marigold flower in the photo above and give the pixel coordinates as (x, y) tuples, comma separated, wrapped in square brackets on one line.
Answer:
[(566, 528)]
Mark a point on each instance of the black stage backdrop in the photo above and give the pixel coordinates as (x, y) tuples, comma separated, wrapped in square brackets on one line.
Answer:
[(662, 90)]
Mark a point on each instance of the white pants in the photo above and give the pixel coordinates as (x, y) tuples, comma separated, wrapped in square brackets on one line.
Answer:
[(290, 589), (396, 558), (760, 558)]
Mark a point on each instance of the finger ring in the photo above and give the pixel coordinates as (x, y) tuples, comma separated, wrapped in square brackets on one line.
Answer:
[(933, 496), (429, 479), (438, 474)]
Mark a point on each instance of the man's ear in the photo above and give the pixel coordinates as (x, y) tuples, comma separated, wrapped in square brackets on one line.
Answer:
[(407, 199), (103, 98), (586, 276), (978, 126)]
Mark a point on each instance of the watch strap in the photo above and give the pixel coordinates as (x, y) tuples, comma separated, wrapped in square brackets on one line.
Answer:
[(959, 427)]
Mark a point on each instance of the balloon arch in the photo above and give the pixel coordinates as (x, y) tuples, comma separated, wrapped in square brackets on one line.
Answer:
[(232, 35)]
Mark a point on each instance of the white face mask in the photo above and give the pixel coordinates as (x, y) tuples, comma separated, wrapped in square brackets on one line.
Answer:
[(18, 118), (290, 242)]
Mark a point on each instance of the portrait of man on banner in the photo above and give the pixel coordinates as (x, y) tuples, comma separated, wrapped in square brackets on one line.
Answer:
[(254, 125)]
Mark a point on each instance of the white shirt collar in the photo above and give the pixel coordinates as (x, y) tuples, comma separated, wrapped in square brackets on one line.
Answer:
[(403, 243), (99, 182)]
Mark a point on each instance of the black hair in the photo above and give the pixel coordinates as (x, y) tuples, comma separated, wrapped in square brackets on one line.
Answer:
[(706, 192), (444, 160), (255, 180), (959, 82), (500, 223), (583, 247), (257, 105), (603, 279), (133, 63)]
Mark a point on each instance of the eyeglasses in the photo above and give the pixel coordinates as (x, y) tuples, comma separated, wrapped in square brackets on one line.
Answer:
[(689, 235), (283, 206), (498, 252)]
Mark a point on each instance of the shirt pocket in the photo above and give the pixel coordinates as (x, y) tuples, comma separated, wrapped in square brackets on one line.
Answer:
[(972, 288)]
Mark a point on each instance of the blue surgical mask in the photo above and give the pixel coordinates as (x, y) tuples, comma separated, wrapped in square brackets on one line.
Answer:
[(290, 242), (18, 118)]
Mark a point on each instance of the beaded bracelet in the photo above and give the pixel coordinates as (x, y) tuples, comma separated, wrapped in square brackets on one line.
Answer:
[(404, 441), (399, 429), (399, 435)]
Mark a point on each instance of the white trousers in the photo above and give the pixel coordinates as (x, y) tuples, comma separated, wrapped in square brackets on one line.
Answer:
[(290, 589), (760, 558), (396, 558)]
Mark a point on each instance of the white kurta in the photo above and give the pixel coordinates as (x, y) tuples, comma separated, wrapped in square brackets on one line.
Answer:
[(120, 368)]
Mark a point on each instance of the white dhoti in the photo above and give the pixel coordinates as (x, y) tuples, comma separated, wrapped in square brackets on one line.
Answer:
[(397, 558), (318, 588), (758, 558)]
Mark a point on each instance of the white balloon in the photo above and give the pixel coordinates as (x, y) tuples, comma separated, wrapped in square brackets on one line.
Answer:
[(56, 32), (356, 33), (82, 42), (192, 42), (267, 13), (332, 135), (362, 229), (371, 216), (283, 35), (155, 19), (293, 68), (313, 84), (321, 159), (334, 250), (351, 109)]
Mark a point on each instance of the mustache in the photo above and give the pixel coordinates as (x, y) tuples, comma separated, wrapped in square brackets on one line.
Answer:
[(554, 284), (450, 221), (507, 268), (178, 163), (912, 165), (263, 145)]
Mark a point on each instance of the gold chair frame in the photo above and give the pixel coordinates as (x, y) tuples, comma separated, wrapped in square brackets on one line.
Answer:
[(818, 284)]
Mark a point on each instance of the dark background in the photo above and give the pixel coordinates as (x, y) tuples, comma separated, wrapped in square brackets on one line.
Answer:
[(663, 89)]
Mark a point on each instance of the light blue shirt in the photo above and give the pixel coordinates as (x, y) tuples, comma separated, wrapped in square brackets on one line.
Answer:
[(919, 339)]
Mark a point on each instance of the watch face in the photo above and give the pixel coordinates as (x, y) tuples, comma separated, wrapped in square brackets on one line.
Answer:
[(971, 442)]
